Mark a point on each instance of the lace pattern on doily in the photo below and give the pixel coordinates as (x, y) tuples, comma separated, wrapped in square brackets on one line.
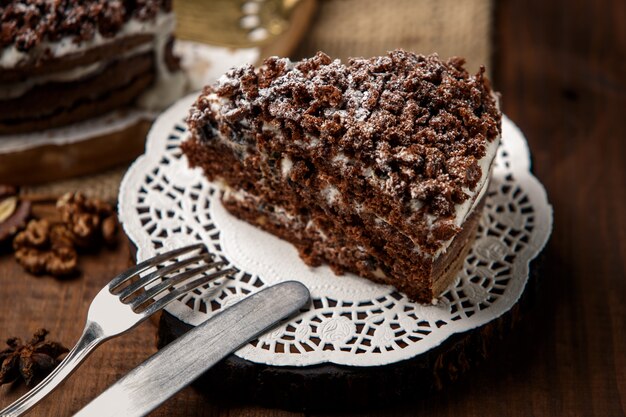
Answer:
[(350, 321)]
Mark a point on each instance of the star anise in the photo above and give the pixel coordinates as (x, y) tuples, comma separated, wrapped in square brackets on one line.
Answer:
[(31, 361)]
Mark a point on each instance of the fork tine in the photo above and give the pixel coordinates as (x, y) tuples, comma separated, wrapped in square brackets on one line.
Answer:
[(171, 281), (148, 263), (161, 272), (172, 295)]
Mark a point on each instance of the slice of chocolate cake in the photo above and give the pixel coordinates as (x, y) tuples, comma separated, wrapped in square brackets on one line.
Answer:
[(65, 61), (378, 167)]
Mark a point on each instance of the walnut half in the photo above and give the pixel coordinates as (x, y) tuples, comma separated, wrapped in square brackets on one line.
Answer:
[(90, 220), (43, 248)]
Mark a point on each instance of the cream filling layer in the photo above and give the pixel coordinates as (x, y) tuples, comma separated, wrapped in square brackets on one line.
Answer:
[(243, 196), (168, 87), (14, 90), (10, 56), (461, 214)]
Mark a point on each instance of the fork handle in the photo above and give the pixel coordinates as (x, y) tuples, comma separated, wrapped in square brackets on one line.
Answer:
[(92, 336)]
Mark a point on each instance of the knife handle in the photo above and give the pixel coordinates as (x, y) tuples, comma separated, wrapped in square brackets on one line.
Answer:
[(186, 358)]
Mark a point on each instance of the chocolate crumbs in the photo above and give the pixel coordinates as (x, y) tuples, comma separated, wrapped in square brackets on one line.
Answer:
[(27, 23), (415, 125)]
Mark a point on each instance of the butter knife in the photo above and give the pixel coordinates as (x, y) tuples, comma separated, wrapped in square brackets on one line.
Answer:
[(174, 367)]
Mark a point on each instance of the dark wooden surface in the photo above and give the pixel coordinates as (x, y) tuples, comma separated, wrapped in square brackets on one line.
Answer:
[(561, 67)]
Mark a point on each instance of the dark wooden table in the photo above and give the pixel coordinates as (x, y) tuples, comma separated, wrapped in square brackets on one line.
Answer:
[(561, 67)]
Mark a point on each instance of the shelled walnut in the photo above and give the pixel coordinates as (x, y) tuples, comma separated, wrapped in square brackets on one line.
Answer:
[(44, 248), (90, 220), (51, 245)]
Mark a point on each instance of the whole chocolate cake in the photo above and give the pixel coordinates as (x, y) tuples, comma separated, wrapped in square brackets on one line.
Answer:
[(67, 60), (378, 167)]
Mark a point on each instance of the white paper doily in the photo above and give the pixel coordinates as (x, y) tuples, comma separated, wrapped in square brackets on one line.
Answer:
[(202, 64), (351, 321)]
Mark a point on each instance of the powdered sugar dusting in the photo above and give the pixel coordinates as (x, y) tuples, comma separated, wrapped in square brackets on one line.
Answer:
[(411, 127)]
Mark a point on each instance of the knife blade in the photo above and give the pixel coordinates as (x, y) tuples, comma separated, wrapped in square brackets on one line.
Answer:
[(166, 372)]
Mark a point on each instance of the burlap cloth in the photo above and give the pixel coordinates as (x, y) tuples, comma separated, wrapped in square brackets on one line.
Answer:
[(347, 28), (104, 185)]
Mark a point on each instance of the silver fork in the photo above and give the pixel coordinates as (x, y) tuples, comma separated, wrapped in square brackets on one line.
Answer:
[(118, 308)]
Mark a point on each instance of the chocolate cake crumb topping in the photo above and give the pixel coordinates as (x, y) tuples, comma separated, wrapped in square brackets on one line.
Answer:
[(27, 23), (414, 124)]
